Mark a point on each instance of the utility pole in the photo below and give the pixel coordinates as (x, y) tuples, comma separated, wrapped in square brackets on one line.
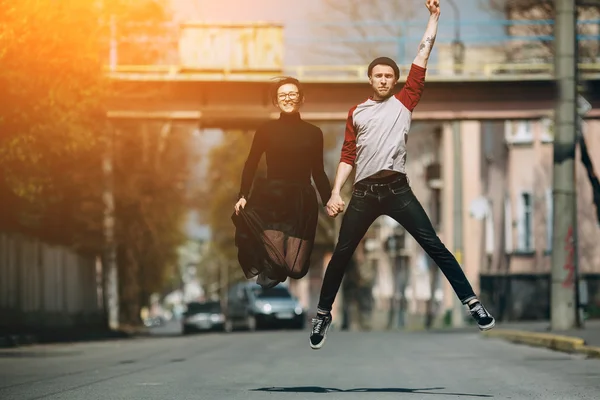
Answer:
[(458, 53), (564, 308), (458, 47), (458, 310), (109, 259), (110, 254)]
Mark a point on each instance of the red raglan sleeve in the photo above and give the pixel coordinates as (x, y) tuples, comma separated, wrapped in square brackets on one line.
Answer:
[(410, 95), (349, 146)]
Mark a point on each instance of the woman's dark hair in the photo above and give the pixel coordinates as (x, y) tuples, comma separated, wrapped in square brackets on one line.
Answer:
[(284, 80)]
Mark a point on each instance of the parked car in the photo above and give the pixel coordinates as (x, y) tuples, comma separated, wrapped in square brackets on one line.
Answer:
[(154, 322), (203, 316), (251, 307)]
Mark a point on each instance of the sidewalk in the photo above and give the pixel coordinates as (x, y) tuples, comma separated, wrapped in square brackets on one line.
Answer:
[(64, 335), (584, 341)]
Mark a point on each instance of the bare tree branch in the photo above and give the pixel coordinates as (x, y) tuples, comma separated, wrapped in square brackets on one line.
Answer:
[(360, 22), (539, 10)]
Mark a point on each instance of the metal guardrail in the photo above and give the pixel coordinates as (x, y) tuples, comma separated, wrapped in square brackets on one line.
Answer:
[(344, 73), (132, 43)]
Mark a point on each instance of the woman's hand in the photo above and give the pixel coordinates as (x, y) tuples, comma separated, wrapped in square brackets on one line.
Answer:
[(241, 203), (335, 205)]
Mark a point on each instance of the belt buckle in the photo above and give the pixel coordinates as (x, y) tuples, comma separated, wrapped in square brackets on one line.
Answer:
[(379, 187)]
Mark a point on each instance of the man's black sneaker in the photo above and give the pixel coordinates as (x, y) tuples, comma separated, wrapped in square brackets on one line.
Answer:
[(484, 319), (320, 325)]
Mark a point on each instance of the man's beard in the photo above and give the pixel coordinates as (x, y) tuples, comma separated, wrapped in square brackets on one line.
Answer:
[(384, 92)]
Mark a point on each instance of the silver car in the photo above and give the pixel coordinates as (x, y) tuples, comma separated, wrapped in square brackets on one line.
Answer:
[(251, 307), (203, 316)]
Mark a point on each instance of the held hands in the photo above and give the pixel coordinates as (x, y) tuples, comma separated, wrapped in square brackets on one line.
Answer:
[(335, 205), (433, 6), (241, 203)]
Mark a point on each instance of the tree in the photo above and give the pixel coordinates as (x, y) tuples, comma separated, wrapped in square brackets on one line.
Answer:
[(358, 28), (588, 221), (52, 134), (52, 117), (226, 162), (536, 10), (50, 96), (152, 166)]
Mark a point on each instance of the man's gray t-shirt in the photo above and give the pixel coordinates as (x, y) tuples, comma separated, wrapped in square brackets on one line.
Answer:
[(376, 131)]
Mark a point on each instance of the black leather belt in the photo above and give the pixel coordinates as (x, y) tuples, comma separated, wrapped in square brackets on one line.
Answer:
[(379, 186)]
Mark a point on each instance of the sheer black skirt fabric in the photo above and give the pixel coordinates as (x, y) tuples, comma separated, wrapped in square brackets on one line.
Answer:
[(275, 232)]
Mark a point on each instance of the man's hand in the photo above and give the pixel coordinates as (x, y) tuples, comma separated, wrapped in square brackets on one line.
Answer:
[(428, 40), (335, 205), (433, 6)]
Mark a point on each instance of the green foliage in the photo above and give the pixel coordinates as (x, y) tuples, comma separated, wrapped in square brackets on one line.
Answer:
[(54, 135), (226, 162), (152, 164), (50, 96), (51, 120)]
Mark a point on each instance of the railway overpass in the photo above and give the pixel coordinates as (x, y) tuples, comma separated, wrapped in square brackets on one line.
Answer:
[(219, 74), (231, 100)]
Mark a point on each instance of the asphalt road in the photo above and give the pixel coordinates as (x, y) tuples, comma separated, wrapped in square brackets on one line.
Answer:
[(280, 365)]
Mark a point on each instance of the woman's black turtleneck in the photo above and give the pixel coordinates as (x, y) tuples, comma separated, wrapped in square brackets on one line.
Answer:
[(294, 151)]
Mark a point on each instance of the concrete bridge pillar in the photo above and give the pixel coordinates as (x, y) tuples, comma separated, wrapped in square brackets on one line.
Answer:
[(465, 160)]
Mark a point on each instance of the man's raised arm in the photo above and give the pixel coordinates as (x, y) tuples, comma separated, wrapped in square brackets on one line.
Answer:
[(428, 40)]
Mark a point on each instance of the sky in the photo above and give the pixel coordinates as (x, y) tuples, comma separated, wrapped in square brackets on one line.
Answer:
[(302, 36)]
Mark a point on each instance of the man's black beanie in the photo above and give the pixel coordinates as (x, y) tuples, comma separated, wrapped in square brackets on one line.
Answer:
[(384, 61)]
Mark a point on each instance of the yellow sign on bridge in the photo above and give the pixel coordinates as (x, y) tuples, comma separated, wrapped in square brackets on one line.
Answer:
[(250, 47)]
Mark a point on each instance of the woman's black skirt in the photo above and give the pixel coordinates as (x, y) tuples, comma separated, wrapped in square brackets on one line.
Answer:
[(275, 232)]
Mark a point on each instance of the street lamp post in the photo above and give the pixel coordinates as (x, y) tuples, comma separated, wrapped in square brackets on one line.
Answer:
[(458, 50), (458, 47)]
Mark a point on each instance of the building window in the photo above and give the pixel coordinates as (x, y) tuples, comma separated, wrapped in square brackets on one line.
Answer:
[(547, 125), (518, 131), (525, 222)]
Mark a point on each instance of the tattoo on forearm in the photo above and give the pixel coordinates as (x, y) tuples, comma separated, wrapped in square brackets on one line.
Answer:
[(426, 45)]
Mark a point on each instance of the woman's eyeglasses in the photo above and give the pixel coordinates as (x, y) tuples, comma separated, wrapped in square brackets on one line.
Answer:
[(291, 95)]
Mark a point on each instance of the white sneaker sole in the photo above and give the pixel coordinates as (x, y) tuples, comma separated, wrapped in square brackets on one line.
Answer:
[(317, 346), (321, 343), (488, 326)]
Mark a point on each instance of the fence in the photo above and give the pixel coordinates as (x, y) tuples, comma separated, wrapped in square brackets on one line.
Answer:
[(44, 287), (527, 297)]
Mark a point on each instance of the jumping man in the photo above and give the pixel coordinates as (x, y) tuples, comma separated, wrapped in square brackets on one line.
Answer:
[(375, 144)]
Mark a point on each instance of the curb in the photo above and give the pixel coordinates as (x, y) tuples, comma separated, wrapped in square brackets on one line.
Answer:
[(567, 344), (9, 341), (590, 351), (20, 340)]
